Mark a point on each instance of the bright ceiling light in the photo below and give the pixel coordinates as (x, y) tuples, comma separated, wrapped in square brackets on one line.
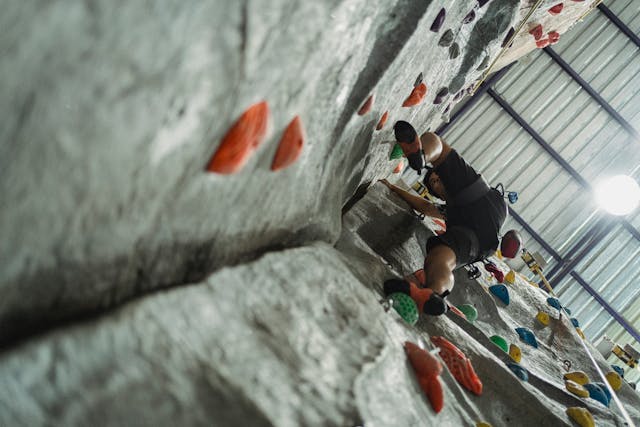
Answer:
[(618, 195)]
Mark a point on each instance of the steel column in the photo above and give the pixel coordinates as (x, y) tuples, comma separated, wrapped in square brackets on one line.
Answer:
[(618, 23), (594, 93), (606, 306)]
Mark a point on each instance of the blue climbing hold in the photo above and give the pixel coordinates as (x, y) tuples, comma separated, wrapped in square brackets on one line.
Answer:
[(606, 391), (618, 369), (519, 371), (527, 336), (575, 322), (595, 392), (501, 292), (554, 302), (567, 310)]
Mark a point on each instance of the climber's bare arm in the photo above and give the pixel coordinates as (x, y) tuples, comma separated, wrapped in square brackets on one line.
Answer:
[(416, 202), (435, 149)]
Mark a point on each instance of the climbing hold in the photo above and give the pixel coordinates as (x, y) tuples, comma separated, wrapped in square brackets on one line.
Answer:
[(459, 95), (494, 270), (470, 17), (595, 392), (536, 32), (241, 140), (567, 310), (542, 43), (614, 379), (575, 322), (581, 416), (555, 10), (442, 93), (454, 51), (437, 23), (399, 167), (482, 3), (515, 353), (407, 136), (543, 318), (456, 311), (483, 424), (577, 377), (416, 96), (510, 277), (554, 302), (446, 39), (519, 371), (396, 152), (405, 307), (290, 145), (579, 331), (501, 292), (605, 389), (576, 388), (418, 80), (383, 120), (500, 342), (469, 311), (507, 38), (420, 276), (427, 368), (459, 365), (510, 244), (618, 369), (366, 106), (554, 37), (527, 336)]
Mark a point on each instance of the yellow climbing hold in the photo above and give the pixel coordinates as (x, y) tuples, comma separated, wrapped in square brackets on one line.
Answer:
[(543, 318), (576, 388), (581, 416), (515, 353), (614, 379), (483, 424), (579, 331), (577, 376), (510, 278), (498, 254)]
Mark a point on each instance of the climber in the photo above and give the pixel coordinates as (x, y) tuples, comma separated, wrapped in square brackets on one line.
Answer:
[(474, 214)]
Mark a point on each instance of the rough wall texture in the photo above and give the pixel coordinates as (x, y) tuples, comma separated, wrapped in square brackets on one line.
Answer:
[(111, 111)]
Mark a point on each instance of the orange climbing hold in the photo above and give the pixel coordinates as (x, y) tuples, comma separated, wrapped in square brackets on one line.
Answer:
[(427, 369), (417, 95), (555, 10), (241, 140), (536, 32), (459, 365), (399, 167), (290, 145), (383, 120), (366, 106)]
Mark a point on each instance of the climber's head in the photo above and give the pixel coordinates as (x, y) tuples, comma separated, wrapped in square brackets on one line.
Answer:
[(434, 184)]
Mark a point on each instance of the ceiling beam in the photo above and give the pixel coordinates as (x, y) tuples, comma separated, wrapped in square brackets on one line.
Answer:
[(618, 23)]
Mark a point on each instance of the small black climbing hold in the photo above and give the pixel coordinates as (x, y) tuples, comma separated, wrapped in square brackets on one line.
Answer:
[(442, 93), (454, 51), (508, 37), (482, 2), (470, 17), (418, 80), (437, 23), (446, 39)]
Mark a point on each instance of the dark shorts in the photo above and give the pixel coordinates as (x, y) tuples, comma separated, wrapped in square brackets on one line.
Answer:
[(462, 240)]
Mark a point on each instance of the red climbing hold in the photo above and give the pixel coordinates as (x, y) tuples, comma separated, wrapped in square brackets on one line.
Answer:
[(399, 167), (542, 43), (417, 95), (555, 10), (241, 140), (459, 365), (290, 145), (536, 32), (383, 120), (366, 106), (554, 37), (440, 223), (427, 369), (495, 271), (456, 310), (510, 244)]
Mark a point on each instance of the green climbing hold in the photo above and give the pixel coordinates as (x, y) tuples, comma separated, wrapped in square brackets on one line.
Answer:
[(469, 311), (405, 307), (396, 153), (500, 342)]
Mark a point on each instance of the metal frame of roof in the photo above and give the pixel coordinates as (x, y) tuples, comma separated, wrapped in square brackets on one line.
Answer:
[(566, 265)]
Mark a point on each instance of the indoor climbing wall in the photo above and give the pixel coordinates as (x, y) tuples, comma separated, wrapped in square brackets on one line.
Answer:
[(209, 150)]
